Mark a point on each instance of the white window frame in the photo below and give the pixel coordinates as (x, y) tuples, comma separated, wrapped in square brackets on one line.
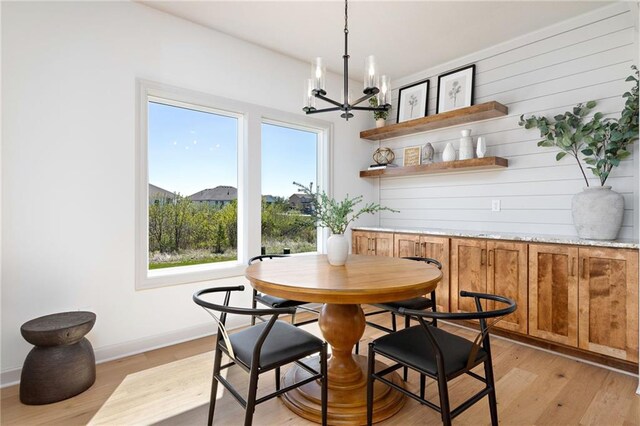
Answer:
[(250, 118)]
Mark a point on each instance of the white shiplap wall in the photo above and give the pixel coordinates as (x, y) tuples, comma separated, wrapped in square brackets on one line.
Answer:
[(546, 72)]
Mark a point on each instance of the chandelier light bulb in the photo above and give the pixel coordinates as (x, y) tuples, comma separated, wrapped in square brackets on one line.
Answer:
[(370, 75), (384, 96), (309, 99), (318, 73)]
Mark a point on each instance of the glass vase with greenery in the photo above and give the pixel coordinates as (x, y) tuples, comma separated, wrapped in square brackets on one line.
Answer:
[(601, 143), (337, 215)]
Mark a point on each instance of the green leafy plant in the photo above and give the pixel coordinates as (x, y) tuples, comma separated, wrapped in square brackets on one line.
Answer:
[(373, 101), (602, 142), (337, 215)]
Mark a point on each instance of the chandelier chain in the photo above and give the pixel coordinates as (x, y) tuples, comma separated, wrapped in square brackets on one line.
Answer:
[(346, 18)]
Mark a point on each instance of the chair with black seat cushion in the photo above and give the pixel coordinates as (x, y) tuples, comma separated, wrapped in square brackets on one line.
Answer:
[(278, 302), (415, 303), (443, 356), (261, 348)]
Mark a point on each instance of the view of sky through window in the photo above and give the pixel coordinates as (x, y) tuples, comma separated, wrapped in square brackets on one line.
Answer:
[(287, 155), (191, 150)]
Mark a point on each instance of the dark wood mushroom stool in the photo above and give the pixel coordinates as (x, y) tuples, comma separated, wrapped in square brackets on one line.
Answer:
[(62, 364)]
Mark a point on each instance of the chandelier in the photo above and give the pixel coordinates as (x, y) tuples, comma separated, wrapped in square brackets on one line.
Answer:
[(315, 86)]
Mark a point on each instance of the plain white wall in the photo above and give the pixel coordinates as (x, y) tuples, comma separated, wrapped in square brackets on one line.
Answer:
[(69, 75), (544, 73)]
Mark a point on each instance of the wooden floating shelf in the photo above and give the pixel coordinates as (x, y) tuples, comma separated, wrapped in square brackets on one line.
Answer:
[(456, 117), (442, 167)]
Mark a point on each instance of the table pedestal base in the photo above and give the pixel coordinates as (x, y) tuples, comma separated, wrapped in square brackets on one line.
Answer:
[(345, 406)]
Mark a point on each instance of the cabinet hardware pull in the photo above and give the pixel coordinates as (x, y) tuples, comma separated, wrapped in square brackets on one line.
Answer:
[(423, 253), (416, 249), (483, 256)]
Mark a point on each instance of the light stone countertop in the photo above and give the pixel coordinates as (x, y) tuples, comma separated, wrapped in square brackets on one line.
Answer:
[(531, 238)]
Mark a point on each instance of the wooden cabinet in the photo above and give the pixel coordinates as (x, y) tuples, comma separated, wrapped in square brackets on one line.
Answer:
[(495, 267), (585, 297), (553, 293), (575, 296), (372, 243), (608, 302), (411, 245)]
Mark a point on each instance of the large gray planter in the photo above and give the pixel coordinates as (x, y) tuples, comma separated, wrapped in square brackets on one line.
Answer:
[(597, 213)]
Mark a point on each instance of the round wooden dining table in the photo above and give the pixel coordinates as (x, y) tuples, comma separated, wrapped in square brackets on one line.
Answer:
[(341, 290)]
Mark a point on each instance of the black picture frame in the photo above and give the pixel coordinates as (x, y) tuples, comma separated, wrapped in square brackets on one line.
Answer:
[(420, 87), (442, 79)]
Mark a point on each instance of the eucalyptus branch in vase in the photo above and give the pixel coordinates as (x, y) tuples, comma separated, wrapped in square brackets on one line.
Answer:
[(337, 215)]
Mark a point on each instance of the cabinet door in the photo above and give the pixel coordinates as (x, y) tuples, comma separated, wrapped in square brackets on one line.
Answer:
[(608, 302), (468, 272), (406, 245), (438, 248), (360, 243), (553, 293), (507, 276), (382, 244)]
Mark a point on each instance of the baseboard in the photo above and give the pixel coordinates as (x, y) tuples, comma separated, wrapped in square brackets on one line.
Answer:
[(134, 347)]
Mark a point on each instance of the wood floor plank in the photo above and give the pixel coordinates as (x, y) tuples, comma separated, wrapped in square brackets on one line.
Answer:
[(611, 404)]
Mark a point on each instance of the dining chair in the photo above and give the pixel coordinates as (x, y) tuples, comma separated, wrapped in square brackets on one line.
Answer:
[(441, 355), (278, 302), (260, 348), (415, 303)]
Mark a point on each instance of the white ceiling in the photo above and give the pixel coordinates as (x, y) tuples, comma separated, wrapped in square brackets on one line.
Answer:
[(405, 36)]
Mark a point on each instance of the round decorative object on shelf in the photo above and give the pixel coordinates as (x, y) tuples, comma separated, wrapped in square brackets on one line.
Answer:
[(449, 153), (383, 156)]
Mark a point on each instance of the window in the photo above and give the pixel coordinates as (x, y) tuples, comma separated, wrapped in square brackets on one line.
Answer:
[(199, 183), (192, 162), (288, 155)]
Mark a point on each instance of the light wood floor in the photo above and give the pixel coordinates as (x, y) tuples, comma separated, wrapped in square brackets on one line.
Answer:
[(170, 386)]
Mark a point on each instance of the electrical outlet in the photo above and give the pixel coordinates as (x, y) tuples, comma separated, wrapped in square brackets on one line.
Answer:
[(495, 205)]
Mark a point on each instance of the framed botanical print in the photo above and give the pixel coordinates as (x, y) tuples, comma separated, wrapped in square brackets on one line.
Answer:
[(455, 89), (412, 101)]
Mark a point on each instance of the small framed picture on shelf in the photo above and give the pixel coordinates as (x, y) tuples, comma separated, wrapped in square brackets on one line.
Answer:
[(455, 89), (411, 156), (412, 101)]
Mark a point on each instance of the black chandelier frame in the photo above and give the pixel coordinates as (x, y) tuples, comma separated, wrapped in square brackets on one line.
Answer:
[(345, 106)]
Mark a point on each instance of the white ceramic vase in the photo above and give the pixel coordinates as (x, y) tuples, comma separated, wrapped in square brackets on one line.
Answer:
[(380, 122), (449, 153), (481, 148), (466, 145), (597, 213), (337, 249)]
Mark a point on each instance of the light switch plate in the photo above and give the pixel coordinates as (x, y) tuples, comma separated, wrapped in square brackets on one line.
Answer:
[(495, 205)]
